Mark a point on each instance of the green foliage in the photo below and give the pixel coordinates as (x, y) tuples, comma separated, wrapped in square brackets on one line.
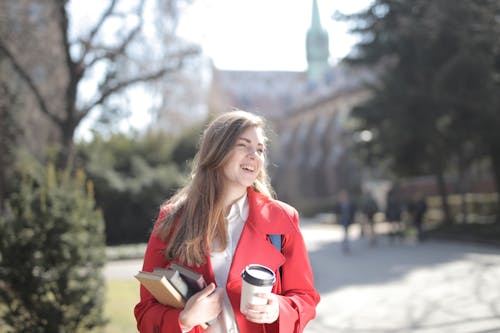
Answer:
[(434, 109), (436, 95), (51, 254), (480, 207), (132, 177), (186, 148)]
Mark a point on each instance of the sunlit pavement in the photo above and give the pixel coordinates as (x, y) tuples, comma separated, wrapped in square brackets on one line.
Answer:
[(122, 269), (402, 286), (434, 287)]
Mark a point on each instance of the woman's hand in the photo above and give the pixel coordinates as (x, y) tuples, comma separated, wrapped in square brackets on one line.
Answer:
[(264, 313), (202, 307)]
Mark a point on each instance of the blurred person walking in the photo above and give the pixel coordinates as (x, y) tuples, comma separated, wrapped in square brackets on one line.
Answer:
[(345, 209), (417, 209), (393, 214), (369, 208), (218, 224)]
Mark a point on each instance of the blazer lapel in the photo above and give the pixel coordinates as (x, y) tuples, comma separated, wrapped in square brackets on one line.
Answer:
[(254, 246)]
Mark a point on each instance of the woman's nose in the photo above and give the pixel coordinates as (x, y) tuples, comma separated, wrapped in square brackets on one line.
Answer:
[(252, 152)]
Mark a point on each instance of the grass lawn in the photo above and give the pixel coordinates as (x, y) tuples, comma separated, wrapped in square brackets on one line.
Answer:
[(121, 297)]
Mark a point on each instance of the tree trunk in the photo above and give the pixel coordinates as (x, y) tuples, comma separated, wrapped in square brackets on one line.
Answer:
[(443, 192), (463, 186), (495, 165), (66, 154)]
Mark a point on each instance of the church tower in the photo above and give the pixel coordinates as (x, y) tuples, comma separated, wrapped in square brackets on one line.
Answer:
[(316, 48)]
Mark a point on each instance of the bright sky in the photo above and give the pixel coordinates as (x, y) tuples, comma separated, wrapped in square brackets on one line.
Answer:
[(264, 34), (242, 35)]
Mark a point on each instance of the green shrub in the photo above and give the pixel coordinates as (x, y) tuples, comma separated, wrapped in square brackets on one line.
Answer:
[(132, 177), (51, 254), (480, 207)]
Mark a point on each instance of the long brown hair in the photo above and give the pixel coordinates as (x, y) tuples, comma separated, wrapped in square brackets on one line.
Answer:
[(195, 217)]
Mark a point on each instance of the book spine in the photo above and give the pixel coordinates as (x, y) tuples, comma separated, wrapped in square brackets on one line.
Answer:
[(182, 287)]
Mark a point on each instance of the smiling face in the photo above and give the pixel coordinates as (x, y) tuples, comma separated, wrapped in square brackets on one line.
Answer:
[(244, 163)]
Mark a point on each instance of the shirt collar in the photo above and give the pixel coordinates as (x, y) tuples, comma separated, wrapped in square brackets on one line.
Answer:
[(239, 209)]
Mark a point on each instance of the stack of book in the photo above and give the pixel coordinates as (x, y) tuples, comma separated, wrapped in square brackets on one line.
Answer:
[(173, 285)]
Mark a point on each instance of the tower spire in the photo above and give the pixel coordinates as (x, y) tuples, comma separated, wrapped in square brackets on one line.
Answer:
[(317, 48), (315, 21)]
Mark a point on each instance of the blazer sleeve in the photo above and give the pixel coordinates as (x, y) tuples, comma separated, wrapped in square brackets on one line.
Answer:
[(152, 316), (298, 297)]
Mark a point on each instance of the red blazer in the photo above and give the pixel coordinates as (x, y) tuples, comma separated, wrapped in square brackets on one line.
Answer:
[(295, 289)]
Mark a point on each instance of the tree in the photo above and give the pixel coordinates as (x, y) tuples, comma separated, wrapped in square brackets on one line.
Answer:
[(51, 254), (116, 63), (434, 93)]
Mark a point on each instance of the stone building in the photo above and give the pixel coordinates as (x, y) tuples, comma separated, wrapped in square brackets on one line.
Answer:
[(311, 157), (308, 111)]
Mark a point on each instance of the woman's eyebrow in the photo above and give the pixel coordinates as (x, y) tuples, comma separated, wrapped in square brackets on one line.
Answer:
[(250, 141)]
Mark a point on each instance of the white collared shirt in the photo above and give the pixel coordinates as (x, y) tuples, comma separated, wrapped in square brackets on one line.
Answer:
[(221, 263)]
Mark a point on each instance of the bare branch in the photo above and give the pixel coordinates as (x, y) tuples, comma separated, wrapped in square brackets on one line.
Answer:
[(112, 53), (63, 29), (23, 74), (106, 92), (103, 55), (88, 42), (121, 48)]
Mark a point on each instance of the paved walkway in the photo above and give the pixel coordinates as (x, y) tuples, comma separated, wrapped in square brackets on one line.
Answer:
[(394, 287), (405, 287)]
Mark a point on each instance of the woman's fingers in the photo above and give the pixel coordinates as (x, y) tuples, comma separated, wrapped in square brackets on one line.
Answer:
[(203, 306), (264, 313), (207, 291)]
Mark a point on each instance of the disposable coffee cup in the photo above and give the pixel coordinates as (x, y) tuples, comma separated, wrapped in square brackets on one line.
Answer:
[(257, 279)]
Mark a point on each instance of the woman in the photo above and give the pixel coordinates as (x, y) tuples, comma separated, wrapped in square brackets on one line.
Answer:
[(217, 225)]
